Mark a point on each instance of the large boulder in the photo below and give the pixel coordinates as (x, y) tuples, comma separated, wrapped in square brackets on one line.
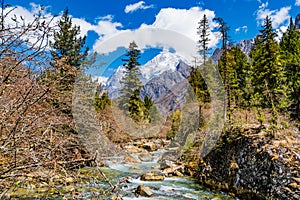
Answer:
[(145, 156), (152, 176), (150, 146), (144, 191), (164, 164)]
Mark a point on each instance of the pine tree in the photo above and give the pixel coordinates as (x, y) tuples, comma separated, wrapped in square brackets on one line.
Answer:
[(101, 98), (268, 75), (290, 46), (199, 86), (68, 50), (68, 54), (237, 74), (130, 100), (222, 65), (196, 80), (203, 32), (148, 105)]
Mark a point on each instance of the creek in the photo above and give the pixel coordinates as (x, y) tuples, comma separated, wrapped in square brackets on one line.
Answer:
[(170, 188), (118, 168)]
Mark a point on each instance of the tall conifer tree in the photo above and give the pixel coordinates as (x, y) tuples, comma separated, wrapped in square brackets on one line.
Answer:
[(203, 32), (130, 99), (268, 74), (68, 49), (237, 67), (222, 65), (68, 54), (290, 46)]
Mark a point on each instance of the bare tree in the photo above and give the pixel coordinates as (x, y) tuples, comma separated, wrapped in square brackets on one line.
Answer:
[(36, 138)]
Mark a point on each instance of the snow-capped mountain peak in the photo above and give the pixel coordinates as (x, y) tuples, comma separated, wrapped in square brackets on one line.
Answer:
[(165, 61)]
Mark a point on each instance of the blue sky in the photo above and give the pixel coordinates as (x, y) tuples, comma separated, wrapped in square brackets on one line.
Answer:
[(237, 13), (102, 20)]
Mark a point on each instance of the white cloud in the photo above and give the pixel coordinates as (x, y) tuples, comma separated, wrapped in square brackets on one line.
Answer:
[(281, 16), (278, 17), (17, 17), (84, 26), (105, 26), (184, 21), (242, 29), (38, 9), (297, 3), (107, 17), (136, 6), (149, 37), (263, 5), (176, 28)]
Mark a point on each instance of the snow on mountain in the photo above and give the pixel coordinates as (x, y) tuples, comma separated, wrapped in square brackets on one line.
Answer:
[(100, 79), (169, 88), (113, 83), (165, 61), (245, 45)]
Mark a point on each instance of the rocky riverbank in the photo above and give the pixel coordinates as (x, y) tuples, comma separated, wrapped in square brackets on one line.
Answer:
[(252, 165), (152, 170)]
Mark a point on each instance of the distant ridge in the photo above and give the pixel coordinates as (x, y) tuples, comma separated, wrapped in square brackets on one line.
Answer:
[(297, 22), (244, 45)]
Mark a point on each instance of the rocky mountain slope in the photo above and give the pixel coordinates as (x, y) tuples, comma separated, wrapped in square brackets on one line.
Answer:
[(168, 89), (244, 45), (162, 78)]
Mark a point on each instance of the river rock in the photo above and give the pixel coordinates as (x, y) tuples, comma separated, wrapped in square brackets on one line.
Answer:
[(152, 176), (297, 179), (293, 185), (150, 146), (164, 164), (145, 157), (171, 168), (173, 171), (132, 149), (144, 191), (165, 142), (178, 173), (130, 159)]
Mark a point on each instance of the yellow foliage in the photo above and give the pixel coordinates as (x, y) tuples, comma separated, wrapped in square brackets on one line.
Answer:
[(293, 185), (297, 179), (234, 165), (275, 157)]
